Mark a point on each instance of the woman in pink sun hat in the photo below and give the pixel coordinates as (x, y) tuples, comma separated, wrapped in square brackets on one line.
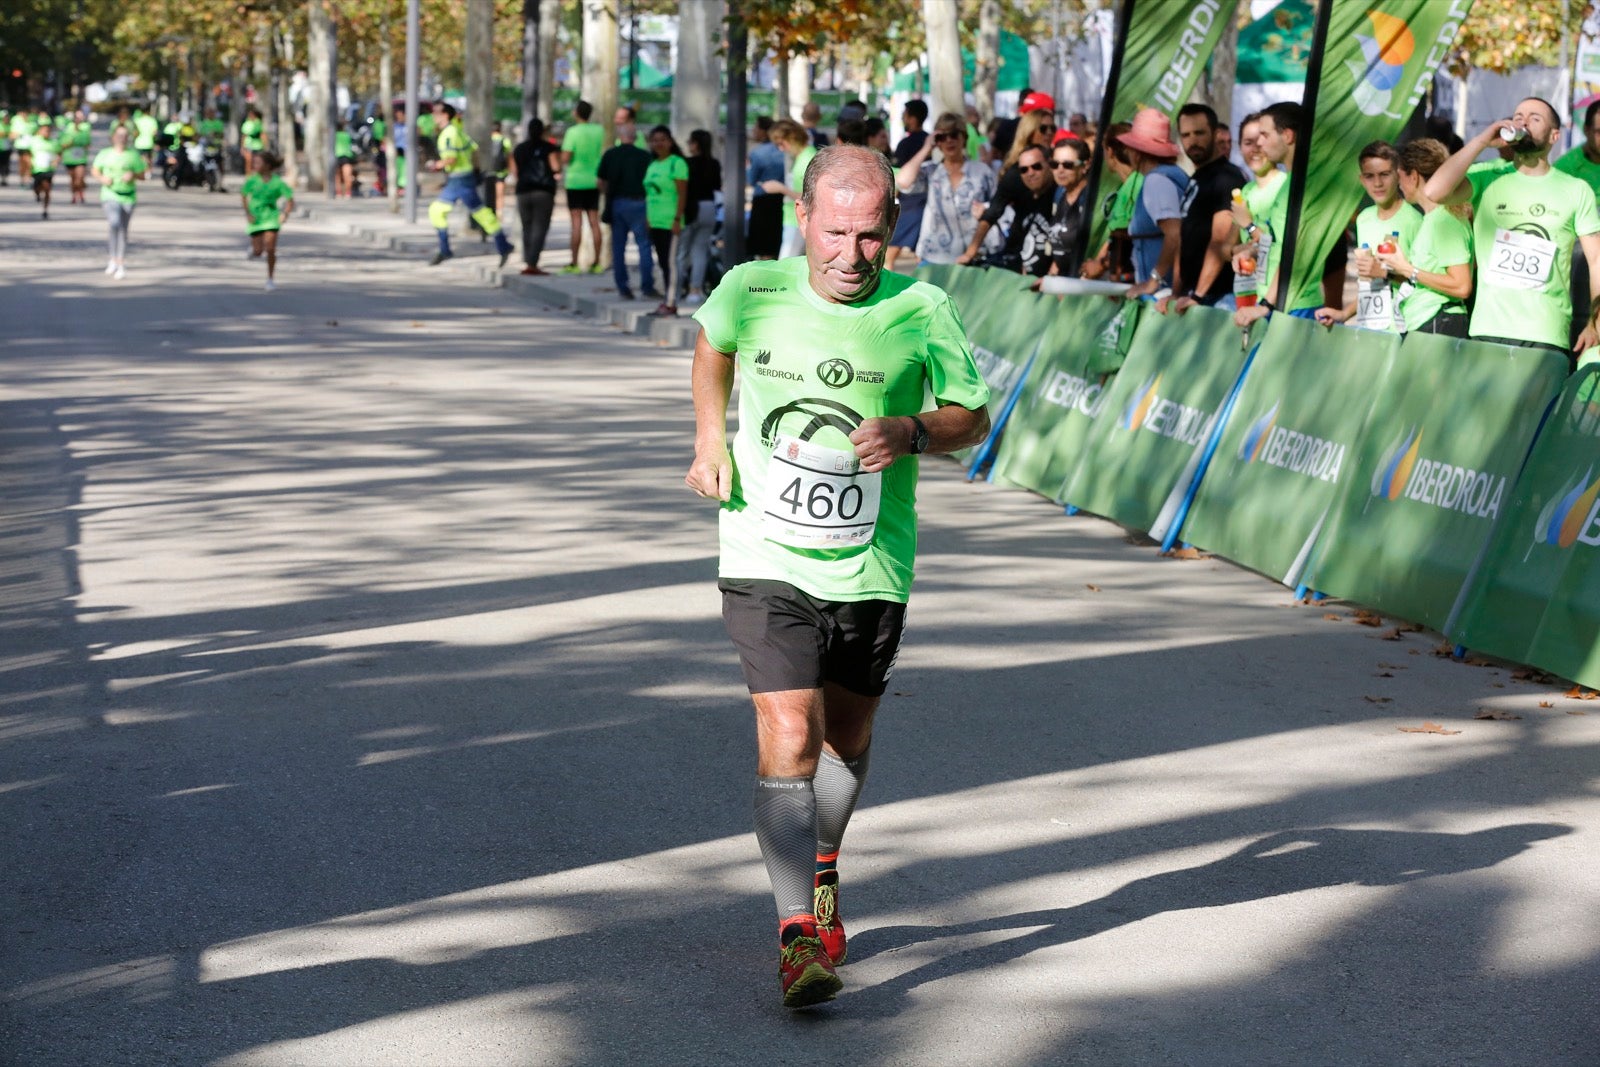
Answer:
[(1158, 213)]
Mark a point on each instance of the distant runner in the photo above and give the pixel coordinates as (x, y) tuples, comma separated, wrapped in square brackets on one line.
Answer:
[(456, 151), (117, 169), (44, 149), (267, 199)]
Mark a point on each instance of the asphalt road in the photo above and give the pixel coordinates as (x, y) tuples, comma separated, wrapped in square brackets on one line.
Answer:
[(364, 700)]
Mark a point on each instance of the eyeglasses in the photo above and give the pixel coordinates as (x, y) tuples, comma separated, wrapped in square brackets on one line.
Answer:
[(1058, 164), (1046, 128), (1030, 169)]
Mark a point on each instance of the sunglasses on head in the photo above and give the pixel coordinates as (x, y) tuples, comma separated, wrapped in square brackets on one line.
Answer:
[(1030, 168)]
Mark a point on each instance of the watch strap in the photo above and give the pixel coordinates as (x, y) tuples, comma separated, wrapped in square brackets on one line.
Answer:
[(919, 440)]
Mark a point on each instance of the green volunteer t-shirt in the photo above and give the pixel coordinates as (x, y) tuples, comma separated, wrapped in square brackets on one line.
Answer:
[(1258, 197), (115, 164), (21, 127), (250, 132), (1309, 295), (75, 144), (342, 145), (1371, 230), (811, 371), (586, 142), (146, 125), (797, 178), (1578, 165), (45, 145), (1127, 198), (1479, 175), (1523, 288), (263, 195), (1442, 241), (661, 190)]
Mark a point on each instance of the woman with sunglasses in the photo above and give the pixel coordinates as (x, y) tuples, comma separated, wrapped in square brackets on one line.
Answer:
[(1069, 163), (953, 184)]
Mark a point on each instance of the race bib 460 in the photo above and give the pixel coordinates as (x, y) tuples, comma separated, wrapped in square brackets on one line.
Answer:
[(818, 497)]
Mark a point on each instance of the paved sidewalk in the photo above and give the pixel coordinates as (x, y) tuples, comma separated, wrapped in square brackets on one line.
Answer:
[(364, 699)]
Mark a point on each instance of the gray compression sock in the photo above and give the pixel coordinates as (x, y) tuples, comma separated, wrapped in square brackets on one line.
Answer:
[(786, 828), (837, 784)]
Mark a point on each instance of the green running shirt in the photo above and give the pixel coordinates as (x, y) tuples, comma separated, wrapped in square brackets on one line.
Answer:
[(661, 190), (114, 163), (586, 142), (808, 368), (1577, 164), (250, 134), (1523, 285), (1441, 242), (264, 195)]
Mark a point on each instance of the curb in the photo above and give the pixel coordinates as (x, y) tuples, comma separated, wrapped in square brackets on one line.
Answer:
[(630, 317)]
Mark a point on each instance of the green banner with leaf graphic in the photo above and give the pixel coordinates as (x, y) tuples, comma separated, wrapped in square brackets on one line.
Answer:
[(1536, 596), (1165, 45), (1379, 59), (1158, 414), (1284, 456), (1044, 441), (1449, 429)]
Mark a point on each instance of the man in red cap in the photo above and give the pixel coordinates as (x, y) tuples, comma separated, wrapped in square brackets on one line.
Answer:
[(1158, 213)]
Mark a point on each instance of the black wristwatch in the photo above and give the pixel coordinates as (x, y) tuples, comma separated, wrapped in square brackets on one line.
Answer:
[(919, 436)]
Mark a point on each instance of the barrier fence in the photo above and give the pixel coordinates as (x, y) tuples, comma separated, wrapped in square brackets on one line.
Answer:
[(1453, 483)]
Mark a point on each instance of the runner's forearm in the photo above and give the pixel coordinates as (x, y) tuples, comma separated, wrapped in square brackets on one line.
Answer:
[(711, 377)]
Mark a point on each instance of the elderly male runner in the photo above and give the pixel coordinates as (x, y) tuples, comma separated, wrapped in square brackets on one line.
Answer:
[(818, 522)]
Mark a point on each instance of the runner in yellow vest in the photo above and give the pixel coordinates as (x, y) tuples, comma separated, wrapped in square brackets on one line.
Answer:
[(456, 159)]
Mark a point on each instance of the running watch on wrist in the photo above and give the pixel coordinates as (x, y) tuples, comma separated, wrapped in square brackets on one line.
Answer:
[(919, 436)]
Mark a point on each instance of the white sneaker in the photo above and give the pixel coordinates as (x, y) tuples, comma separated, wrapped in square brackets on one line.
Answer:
[(111, 267), (270, 287), (693, 299), (118, 274)]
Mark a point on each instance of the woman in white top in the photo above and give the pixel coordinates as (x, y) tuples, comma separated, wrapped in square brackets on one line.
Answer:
[(954, 183)]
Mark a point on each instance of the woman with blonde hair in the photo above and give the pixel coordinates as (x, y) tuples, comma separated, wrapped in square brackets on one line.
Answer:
[(792, 137), (953, 184), (1036, 129), (1436, 280)]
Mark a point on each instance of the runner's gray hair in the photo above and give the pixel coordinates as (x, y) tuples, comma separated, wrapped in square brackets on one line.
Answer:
[(852, 167)]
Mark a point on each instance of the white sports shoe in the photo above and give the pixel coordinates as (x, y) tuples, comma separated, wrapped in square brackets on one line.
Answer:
[(111, 267), (269, 286), (118, 274)]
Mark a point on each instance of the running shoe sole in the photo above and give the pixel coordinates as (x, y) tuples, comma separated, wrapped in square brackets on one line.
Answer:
[(816, 985)]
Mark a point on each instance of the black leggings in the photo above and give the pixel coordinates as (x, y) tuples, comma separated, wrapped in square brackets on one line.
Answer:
[(661, 241)]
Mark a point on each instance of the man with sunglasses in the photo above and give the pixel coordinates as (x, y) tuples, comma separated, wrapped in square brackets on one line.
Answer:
[(1027, 245)]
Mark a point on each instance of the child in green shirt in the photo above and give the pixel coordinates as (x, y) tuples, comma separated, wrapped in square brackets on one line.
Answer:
[(267, 199)]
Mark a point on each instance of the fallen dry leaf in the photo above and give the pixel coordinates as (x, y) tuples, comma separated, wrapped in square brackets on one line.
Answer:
[(1497, 685), (1414, 652), (1427, 728), (1367, 618), (1378, 700), (1331, 617), (1476, 661), (1392, 635), (1384, 674), (1578, 692), (1092, 588), (1412, 628), (1531, 674), (1187, 553), (1499, 716), (1392, 666), (414, 325), (1575, 711), (1444, 651), (1546, 704)]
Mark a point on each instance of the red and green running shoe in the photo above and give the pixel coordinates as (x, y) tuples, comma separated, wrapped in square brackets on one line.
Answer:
[(804, 972), (825, 903)]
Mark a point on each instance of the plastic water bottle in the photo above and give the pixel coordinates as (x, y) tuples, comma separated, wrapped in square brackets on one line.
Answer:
[(1263, 255)]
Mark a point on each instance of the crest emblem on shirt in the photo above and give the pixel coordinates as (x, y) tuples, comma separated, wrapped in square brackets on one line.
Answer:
[(794, 450), (835, 373)]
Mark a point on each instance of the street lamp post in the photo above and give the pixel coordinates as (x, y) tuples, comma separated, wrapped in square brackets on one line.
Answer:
[(413, 62)]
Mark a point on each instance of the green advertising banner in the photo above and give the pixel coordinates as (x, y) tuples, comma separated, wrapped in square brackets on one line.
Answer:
[(1163, 47), (1011, 321), (1536, 596), (1158, 414), (1284, 456), (1448, 432), (1064, 393), (1378, 58)]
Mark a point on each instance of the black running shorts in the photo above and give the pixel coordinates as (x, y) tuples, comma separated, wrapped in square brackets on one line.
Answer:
[(788, 639), (583, 199)]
